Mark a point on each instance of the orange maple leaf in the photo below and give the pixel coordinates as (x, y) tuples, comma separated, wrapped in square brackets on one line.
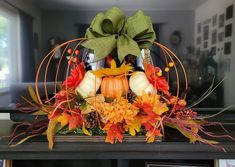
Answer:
[(114, 131), (159, 83), (75, 120)]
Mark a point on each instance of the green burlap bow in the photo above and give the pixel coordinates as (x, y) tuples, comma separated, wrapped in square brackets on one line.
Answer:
[(111, 30)]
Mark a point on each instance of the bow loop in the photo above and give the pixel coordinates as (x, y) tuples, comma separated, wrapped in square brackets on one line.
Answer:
[(113, 21), (95, 29), (136, 25)]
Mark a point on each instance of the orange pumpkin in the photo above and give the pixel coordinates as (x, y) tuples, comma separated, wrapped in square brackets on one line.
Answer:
[(113, 87)]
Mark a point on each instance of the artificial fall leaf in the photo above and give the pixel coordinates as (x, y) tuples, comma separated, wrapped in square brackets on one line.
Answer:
[(75, 120), (189, 129), (85, 131), (159, 83), (124, 69), (151, 103), (77, 74), (39, 112), (91, 103), (114, 131), (151, 139), (51, 130), (133, 127), (98, 98), (87, 109), (33, 94), (63, 119), (151, 135)]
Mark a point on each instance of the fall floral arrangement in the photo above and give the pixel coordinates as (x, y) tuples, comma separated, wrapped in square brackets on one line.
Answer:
[(119, 98)]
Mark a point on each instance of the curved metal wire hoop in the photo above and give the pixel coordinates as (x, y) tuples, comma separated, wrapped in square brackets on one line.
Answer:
[(167, 53)]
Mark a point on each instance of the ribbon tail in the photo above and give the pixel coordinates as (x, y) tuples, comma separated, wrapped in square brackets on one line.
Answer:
[(102, 46), (127, 46)]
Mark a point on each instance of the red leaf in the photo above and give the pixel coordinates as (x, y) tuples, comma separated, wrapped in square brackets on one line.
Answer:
[(74, 121), (77, 74), (161, 84), (158, 82), (114, 131)]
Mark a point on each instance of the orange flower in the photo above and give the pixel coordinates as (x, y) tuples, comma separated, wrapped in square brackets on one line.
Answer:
[(118, 111), (77, 74)]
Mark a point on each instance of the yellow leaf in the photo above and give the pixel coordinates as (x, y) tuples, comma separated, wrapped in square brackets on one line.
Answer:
[(99, 99), (87, 109), (33, 94), (124, 69), (113, 64), (63, 119), (134, 126), (85, 131), (39, 112), (151, 139), (24, 139), (132, 131), (51, 130), (191, 138)]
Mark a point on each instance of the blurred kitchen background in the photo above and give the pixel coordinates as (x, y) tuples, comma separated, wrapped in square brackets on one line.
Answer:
[(200, 32)]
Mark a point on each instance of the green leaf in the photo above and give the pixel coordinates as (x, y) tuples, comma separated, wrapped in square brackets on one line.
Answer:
[(33, 94)]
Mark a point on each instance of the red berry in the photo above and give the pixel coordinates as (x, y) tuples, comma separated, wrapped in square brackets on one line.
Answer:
[(173, 100), (70, 51), (182, 102), (70, 62), (77, 52), (75, 59)]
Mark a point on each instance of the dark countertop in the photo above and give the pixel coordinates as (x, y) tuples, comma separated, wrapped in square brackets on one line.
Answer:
[(174, 147)]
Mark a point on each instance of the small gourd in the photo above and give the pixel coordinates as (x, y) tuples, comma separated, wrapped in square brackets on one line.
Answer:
[(114, 86), (140, 84), (89, 85)]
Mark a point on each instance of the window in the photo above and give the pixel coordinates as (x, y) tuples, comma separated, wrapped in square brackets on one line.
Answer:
[(8, 46), (4, 52)]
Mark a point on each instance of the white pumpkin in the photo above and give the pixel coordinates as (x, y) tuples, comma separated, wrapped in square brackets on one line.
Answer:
[(89, 85), (140, 84)]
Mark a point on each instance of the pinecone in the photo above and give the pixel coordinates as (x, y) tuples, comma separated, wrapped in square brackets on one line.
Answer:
[(131, 96), (91, 120)]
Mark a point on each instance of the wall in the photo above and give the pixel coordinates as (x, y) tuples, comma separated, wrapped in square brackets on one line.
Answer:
[(61, 23), (205, 11)]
